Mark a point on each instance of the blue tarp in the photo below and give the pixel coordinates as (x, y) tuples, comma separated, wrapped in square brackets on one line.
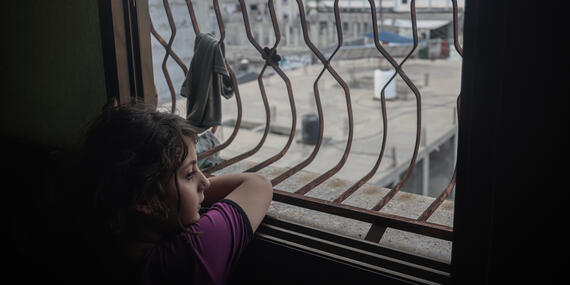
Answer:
[(388, 37)]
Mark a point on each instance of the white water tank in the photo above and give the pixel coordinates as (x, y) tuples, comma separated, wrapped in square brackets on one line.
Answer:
[(381, 77)]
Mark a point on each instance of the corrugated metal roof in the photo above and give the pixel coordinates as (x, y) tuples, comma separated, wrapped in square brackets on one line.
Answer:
[(389, 37)]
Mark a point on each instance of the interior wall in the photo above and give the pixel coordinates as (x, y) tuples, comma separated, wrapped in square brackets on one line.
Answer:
[(52, 64), (53, 84)]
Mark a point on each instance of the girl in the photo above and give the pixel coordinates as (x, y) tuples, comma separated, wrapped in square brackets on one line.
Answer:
[(146, 192)]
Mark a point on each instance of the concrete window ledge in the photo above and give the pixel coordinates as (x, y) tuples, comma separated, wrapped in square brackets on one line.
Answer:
[(403, 204)]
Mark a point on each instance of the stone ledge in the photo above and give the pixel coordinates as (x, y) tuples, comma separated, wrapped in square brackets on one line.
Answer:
[(403, 204)]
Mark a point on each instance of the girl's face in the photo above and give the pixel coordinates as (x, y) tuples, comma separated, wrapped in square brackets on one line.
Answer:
[(192, 184)]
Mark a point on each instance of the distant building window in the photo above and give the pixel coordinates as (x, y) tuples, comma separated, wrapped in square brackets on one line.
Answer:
[(322, 26), (253, 7)]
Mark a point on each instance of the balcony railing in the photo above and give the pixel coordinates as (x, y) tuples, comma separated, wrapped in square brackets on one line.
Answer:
[(298, 197)]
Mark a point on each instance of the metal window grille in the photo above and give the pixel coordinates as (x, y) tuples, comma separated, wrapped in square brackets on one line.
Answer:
[(379, 220)]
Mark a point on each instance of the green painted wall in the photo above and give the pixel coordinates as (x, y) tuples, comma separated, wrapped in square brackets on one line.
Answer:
[(52, 66)]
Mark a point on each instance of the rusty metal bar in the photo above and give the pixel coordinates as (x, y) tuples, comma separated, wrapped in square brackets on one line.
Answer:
[(447, 191), (417, 94), (219, 20), (293, 126), (248, 28), (193, 17), (176, 58), (456, 29), (435, 204), (168, 48), (169, 51), (392, 221), (265, 132), (377, 230), (230, 139), (315, 182), (313, 154), (275, 66), (372, 172), (271, 59)]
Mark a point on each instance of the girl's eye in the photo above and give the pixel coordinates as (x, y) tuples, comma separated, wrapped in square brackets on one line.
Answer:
[(189, 175)]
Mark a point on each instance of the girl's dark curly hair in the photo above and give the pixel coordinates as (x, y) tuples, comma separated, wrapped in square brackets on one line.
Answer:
[(130, 154)]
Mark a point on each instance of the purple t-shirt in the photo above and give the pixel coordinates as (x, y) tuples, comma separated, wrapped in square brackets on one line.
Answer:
[(205, 258)]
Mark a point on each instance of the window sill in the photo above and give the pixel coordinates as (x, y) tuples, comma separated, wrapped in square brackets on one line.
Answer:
[(403, 204)]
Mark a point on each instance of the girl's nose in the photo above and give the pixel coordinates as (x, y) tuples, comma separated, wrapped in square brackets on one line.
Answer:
[(204, 182)]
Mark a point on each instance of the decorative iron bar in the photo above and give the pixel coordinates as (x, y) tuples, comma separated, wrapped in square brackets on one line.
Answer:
[(271, 58)]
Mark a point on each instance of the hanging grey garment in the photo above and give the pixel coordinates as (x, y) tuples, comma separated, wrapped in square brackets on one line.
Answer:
[(207, 141), (206, 81)]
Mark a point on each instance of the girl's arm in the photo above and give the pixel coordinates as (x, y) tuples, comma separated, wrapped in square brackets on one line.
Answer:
[(253, 192)]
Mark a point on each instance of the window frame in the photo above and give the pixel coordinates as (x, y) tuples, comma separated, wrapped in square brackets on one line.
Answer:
[(127, 53), (128, 68)]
